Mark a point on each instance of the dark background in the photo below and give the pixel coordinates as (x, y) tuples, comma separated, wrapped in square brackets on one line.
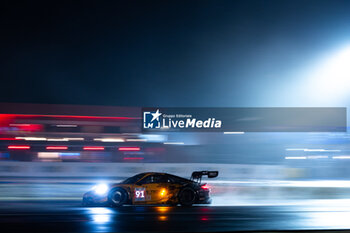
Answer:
[(163, 53)]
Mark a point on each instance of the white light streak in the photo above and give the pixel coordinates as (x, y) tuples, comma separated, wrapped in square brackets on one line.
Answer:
[(57, 140), (48, 155), (233, 132), (74, 139), (109, 139), (295, 149), (32, 138), (317, 157), (173, 143), (320, 150), (311, 150), (341, 157), (136, 140), (295, 157), (64, 139)]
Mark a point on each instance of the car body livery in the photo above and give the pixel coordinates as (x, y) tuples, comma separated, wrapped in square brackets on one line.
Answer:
[(152, 188)]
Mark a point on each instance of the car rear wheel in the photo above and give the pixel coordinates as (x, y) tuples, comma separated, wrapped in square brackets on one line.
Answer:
[(187, 197), (117, 197)]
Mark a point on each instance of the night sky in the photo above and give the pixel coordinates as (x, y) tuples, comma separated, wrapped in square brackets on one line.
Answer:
[(164, 53)]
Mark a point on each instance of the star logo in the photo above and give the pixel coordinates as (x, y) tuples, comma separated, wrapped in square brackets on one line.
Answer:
[(156, 115), (151, 120)]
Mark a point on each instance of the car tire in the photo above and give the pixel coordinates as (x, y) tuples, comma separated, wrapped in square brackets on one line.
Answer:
[(117, 197), (187, 197)]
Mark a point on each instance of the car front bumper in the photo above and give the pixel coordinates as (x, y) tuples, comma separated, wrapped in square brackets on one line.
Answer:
[(90, 198)]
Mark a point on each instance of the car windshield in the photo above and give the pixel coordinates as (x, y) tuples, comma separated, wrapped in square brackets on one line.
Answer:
[(133, 179)]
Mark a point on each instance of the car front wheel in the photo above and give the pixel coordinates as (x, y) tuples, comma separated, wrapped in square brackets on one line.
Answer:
[(117, 197)]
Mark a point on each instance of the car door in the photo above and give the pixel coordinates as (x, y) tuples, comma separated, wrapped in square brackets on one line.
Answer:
[(159, 188), (141, 190), (152, 189)]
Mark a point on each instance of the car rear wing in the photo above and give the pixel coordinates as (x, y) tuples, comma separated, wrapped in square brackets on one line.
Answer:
[(197, 175)]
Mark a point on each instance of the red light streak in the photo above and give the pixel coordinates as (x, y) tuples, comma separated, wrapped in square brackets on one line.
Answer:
[(19, 147), (56, 148), (9, 139), (93, 148), (11, 116), (129, 148)]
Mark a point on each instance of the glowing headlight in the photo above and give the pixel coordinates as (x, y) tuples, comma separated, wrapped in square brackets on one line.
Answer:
[(100, 189)]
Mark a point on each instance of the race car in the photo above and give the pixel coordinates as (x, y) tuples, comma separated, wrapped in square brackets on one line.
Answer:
[(152, 188)]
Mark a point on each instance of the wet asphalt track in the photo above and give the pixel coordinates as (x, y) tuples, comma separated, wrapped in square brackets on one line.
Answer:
[(71, 217)]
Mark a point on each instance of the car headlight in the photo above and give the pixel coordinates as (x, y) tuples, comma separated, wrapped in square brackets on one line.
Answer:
[(100, 189)]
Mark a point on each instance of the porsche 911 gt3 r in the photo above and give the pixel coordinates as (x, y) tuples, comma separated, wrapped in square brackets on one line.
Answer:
[(153, 188)]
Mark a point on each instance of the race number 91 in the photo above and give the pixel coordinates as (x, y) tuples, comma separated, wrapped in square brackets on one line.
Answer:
[(140, 194)]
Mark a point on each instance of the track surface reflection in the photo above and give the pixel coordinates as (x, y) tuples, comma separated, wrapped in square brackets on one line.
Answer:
[(71, 217)]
